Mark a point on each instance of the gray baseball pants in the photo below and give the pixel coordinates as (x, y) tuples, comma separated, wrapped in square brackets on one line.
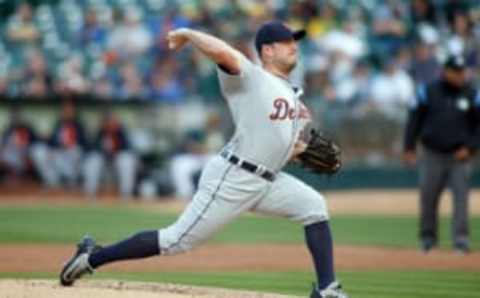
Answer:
[(438, 170), (225, 191)]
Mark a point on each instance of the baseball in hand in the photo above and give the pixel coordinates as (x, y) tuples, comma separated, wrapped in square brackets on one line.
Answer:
[(177, 38)]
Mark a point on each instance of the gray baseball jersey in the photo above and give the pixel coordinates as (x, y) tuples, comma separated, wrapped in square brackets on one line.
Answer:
[(267, 114), (269, 118)]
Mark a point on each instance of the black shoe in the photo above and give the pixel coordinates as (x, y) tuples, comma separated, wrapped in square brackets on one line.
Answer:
[(78, 265), (428, 244), (462, 247)]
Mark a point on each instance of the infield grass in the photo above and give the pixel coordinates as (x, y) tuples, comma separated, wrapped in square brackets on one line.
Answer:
[(376, 284), (66, 224)]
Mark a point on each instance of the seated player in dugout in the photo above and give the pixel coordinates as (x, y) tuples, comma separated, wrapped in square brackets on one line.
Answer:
[(246, 175), (17, 146), (67, 146), (111, 149)]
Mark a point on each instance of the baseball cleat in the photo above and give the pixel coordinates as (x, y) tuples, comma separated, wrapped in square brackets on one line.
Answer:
[(78, 265), (334, 290)]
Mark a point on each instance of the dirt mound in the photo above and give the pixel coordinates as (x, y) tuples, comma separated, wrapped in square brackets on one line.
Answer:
[(117, 289)]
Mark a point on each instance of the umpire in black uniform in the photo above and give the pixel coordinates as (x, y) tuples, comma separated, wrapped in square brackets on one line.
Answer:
[(446, 118)]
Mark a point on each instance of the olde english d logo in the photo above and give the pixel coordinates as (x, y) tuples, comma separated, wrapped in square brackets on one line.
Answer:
[(282, 110)]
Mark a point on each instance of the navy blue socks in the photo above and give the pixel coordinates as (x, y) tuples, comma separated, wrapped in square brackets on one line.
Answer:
[(145, 244), (319, 242), (141, 245)]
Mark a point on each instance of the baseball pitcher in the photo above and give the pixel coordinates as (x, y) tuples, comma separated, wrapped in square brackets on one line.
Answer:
[(247, 174)]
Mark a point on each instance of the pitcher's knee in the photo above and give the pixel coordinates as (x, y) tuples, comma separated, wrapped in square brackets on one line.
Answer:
[(172, 242), (314, 218), (316, 211)]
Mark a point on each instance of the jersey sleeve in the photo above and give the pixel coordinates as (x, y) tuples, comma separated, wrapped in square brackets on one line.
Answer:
[(416, 117), (419, 99), (235, 83), (474, 142)]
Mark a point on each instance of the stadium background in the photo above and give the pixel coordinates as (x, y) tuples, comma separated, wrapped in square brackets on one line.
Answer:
[(361, 64)]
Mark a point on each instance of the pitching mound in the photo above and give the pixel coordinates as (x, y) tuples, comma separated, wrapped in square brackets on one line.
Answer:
[(117, 289)]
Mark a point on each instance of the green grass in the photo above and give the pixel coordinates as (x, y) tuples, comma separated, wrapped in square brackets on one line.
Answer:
[(61, 224), (420, 284)]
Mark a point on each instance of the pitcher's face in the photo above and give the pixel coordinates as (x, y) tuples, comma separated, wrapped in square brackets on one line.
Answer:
[(286, 54), (282, 54)]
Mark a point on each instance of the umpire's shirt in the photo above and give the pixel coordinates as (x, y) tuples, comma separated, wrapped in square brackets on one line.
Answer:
[(445, 118)]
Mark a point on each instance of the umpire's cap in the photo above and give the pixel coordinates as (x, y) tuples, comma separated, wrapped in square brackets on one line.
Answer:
[(275, 31), (455, 62)]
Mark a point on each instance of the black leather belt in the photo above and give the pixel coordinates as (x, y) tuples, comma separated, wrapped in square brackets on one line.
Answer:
[(248, 166)]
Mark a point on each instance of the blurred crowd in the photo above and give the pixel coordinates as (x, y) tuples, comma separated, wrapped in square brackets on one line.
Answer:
[(72, 157), (357, 51), (359, 57)]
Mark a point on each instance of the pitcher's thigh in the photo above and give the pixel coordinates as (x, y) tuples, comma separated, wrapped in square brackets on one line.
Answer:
[(203, 217), (292, 198)]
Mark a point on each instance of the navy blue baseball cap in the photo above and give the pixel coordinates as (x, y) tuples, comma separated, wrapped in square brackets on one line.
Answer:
[(455, 62), (275, 31)]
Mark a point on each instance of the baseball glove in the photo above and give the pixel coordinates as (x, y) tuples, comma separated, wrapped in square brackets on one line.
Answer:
[(322, 155)]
